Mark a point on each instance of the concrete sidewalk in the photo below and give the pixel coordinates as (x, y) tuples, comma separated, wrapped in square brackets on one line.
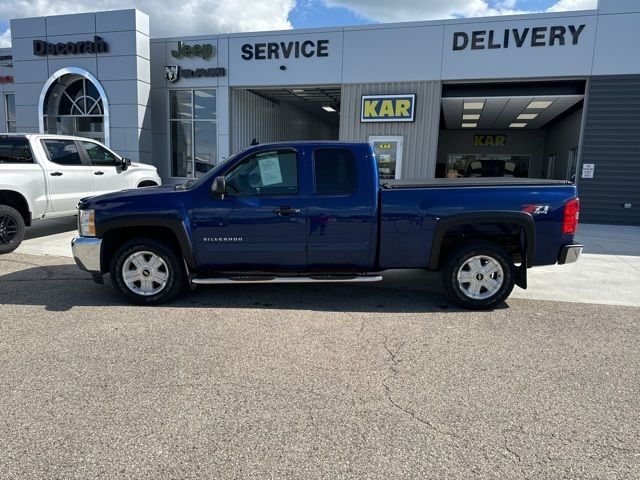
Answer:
[(50, 237), (607, 273)]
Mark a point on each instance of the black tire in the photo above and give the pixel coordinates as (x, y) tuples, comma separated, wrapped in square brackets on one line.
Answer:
[(11, 229), (173, 268), (462, 293)]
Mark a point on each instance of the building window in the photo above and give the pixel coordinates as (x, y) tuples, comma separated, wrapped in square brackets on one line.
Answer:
[(74, 106), (476, 165), (10, 112), (193, 131)]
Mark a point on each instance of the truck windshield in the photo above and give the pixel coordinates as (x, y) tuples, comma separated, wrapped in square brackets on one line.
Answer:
[(195, 182)]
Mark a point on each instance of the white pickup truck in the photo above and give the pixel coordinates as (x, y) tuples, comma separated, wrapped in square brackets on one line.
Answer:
[(45, 176)]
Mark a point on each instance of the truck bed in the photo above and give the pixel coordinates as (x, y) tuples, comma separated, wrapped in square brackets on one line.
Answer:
[(469, 182), (412, 210)]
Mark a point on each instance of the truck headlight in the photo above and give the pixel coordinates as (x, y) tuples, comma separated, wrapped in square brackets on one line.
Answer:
[(87, 223)]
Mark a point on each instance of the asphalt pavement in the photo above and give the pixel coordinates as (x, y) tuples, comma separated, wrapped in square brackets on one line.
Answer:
[(309, 381)]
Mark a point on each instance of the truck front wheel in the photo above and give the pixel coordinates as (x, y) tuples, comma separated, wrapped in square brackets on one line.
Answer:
[(11, 229), (147, 272), (479, 275)]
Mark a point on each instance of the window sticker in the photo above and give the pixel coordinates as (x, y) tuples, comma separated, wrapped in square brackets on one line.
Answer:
[(270, 170)]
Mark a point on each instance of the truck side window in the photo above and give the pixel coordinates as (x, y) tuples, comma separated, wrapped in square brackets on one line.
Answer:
[(265, 173), (63, 152), (334, 170), (15, 150), (98, 155)]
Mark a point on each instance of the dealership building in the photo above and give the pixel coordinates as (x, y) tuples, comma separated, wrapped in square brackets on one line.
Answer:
[(553, 95)]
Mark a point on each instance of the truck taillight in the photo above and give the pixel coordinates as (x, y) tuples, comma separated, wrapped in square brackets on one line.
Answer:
[(571, 214)]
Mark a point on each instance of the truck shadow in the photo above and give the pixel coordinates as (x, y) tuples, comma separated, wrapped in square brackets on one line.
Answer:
[(53, 226), (63, 287)]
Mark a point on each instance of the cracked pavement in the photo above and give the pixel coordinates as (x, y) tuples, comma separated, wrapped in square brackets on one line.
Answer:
[(309, 381)]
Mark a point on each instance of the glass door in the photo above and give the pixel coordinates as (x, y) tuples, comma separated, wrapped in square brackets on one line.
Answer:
[(388, 150)]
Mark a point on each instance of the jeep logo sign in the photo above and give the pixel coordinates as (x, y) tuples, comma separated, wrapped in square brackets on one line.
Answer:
[(388, 108), (204, 51)]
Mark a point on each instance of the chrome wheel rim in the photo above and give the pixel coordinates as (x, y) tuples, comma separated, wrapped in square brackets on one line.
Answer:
[(480, 277), (8, 230), (145, 273)]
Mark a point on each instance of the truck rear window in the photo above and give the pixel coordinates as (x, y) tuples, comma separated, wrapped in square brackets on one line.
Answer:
[(334, 170), (15, 150)]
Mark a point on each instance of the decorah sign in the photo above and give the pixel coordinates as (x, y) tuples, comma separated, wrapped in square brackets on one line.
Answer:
[(42, 48), (388, 108)]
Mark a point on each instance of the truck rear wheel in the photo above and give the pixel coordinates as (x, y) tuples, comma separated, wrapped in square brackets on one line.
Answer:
[(479, 275), (11, 229), (147, 272)]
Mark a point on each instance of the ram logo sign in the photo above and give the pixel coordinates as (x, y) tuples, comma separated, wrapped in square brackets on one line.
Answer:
[(388, 108)]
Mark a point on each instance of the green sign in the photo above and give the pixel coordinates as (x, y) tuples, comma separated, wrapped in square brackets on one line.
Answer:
[(204, 51)]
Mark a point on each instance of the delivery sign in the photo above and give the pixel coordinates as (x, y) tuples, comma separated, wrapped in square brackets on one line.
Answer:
[(388, 108)]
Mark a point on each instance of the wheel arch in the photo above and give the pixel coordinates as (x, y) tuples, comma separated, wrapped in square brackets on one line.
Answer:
[(173, 233), (523, 222), (18, 201), (146, 183)]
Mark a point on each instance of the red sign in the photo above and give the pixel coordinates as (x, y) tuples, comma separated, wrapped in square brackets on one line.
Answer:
[(6, 79)]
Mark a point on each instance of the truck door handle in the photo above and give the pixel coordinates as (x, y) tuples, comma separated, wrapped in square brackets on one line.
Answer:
[(282, 211), (56, 174), (98, 173)]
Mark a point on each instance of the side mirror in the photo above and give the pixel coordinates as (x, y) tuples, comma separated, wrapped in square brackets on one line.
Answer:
[(219, 186), (123, 163)]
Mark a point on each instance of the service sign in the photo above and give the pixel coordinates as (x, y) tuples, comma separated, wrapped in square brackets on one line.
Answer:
[(388, 108)]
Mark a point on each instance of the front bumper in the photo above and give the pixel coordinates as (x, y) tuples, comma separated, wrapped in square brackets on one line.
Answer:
[(86, 253), (569, 254)]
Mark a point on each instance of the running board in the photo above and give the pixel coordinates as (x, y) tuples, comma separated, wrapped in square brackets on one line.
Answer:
[(275, 279)]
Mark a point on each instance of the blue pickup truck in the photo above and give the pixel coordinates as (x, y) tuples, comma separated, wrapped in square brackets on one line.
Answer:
[(316, 212)]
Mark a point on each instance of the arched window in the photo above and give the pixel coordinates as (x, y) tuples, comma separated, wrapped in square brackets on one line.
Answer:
[(74, 103)]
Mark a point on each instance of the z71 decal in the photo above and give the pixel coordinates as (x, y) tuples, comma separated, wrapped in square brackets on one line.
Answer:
[(536, 209)]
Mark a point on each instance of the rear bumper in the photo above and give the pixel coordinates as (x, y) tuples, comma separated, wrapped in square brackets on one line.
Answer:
[(569, 254), (86, 253)]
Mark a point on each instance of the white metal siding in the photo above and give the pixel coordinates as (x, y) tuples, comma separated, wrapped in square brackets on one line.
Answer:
[(420, 138), (256, 117)]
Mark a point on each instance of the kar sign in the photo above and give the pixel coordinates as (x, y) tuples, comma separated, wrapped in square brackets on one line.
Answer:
[(388, 108)]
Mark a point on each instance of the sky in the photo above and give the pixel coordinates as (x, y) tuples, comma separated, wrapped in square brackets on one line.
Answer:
[(224, 16)]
